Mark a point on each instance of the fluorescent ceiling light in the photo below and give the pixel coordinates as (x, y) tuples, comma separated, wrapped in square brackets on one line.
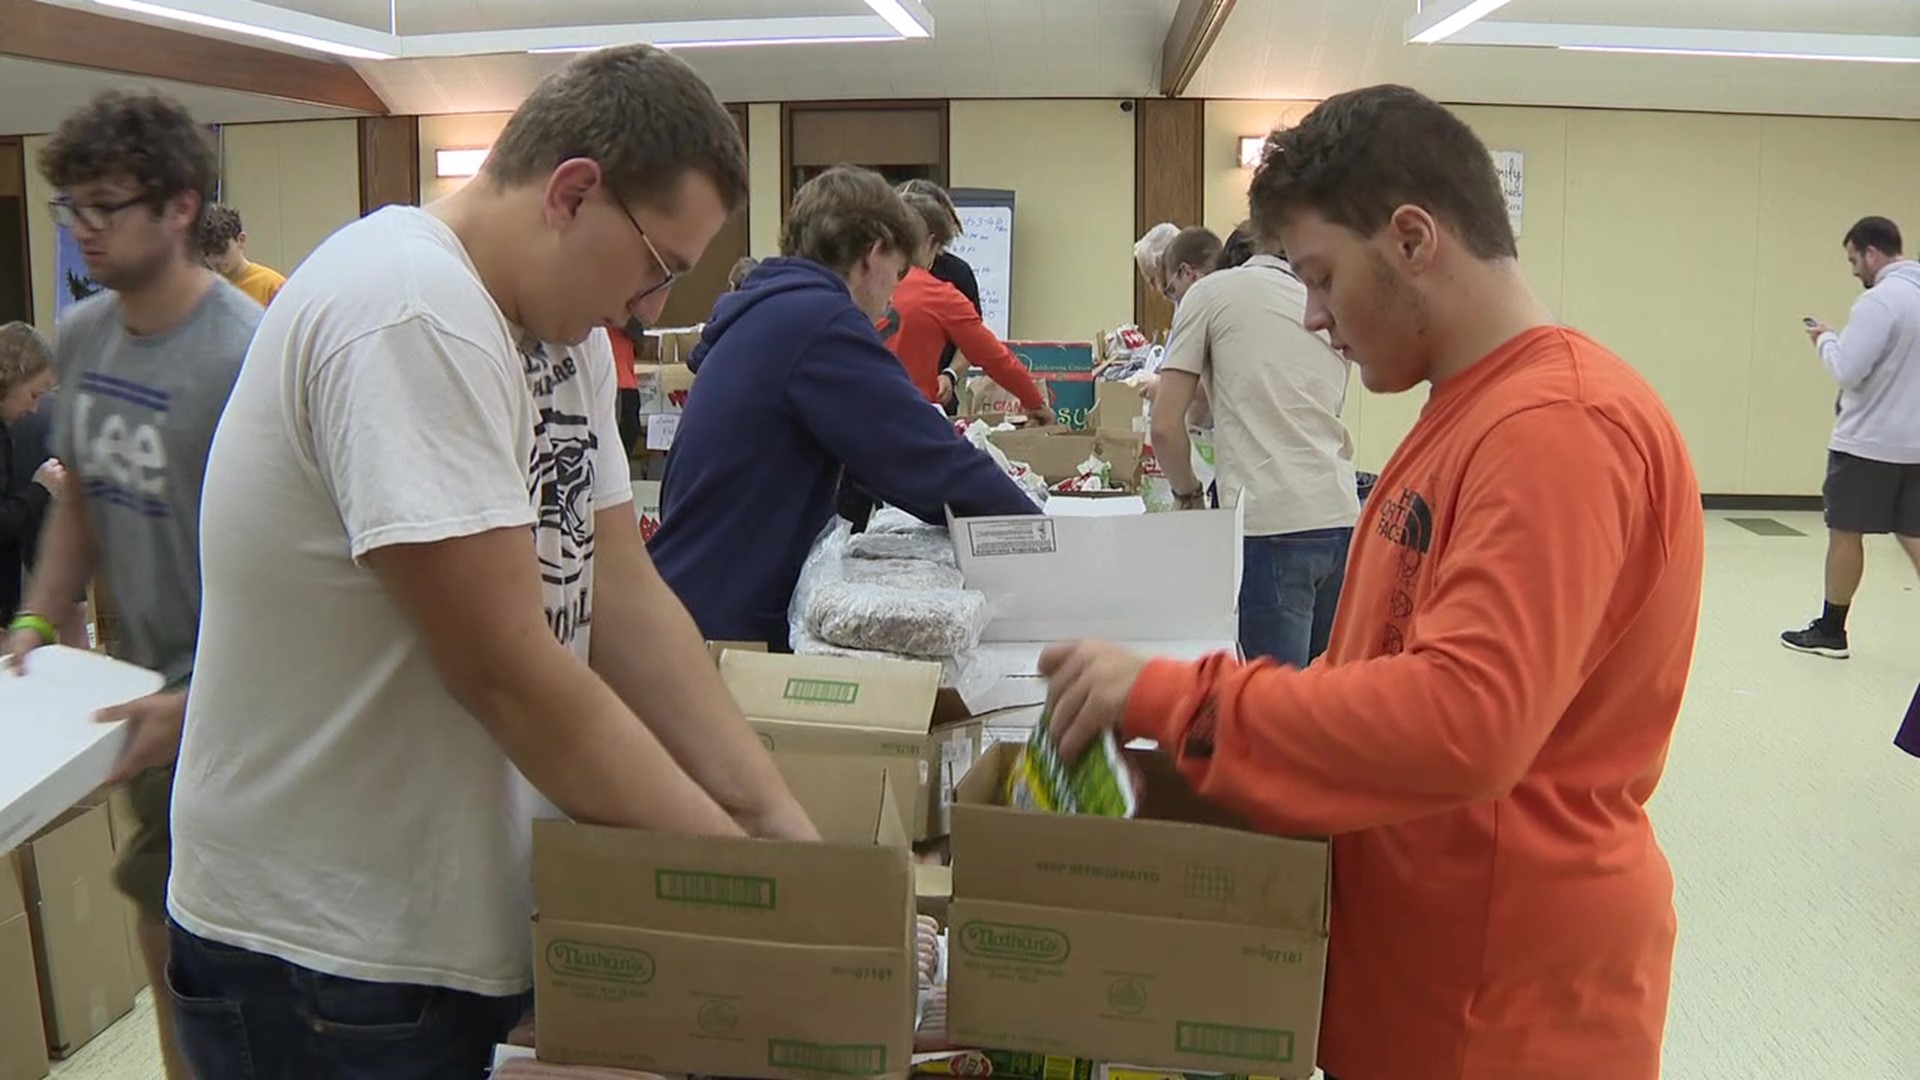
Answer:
[(722, 43), (460, 162), (905, 22), (1439, 20), (1653, 50), (215, 22)]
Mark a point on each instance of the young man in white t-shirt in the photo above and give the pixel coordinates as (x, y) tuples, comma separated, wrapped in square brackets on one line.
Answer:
[(428, 607), (1283, 454)]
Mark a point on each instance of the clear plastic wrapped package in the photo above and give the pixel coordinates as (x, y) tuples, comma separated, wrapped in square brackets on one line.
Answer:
[(933, 546), (916, 622), (902, 573)]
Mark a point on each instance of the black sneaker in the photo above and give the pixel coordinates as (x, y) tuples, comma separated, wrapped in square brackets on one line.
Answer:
[(1819, 640)]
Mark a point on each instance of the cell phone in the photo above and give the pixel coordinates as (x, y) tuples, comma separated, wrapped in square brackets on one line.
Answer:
[(1810, 322)]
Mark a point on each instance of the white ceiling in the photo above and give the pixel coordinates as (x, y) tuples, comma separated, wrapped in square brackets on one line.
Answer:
[(1105, 48), (34, 97), (1313, 48), (981, 48)]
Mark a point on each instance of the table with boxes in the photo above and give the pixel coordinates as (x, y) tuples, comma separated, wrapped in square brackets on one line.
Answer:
[(1176, 942)]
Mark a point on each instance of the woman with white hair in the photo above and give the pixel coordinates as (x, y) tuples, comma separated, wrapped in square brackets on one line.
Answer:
[(1149, 250)]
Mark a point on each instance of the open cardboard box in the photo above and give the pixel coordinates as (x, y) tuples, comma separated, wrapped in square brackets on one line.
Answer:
[(890, 711), (1163, 584), (1177, 938), (746, 958), (1057, 453)]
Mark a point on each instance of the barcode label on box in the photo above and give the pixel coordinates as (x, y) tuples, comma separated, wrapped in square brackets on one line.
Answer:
[(716, 890), (830, 1060), (1219, 1040), (1025, 536)]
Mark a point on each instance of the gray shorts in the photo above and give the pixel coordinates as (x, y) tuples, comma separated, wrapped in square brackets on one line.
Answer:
[(1867, 496)]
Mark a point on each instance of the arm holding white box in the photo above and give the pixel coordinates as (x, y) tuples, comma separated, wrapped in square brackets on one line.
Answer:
[(66, 564), (648, 650)]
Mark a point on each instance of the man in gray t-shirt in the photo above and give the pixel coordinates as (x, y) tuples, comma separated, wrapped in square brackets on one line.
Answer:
[(146, 368)]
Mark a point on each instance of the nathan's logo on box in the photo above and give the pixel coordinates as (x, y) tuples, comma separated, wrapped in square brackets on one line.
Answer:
[(605, 963), (715, 890), (823, 691), (1005, 941)]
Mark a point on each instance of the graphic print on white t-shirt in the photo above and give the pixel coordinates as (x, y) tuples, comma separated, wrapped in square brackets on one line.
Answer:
[(560, 480)]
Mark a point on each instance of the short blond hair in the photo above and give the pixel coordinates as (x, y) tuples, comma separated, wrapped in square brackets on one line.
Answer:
[(24, 356), (1151, 248)]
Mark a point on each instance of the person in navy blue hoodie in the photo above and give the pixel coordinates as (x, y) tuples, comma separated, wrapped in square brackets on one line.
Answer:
[(794, 386)]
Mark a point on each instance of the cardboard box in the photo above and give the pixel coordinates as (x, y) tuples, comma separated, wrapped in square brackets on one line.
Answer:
[(717, 649), (646, 507), (1163, 584), (23, 1037), (1057, 454), (124, 822), (933, 890), (743, 958), (1171, 938), (889, 711), (55, 754), (663, 388), (1118, 409), (79, 928)]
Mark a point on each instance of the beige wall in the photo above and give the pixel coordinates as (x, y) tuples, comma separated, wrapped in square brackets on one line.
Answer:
[(763, 192), (1691, 244), (294, 184), (453, 132), (1070, 166)]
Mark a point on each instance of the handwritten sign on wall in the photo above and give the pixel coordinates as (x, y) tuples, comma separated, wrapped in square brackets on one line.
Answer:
[(987, 245), (1512, 167)]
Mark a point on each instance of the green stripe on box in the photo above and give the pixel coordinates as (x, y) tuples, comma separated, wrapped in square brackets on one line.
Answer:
[(715, 890), (1220, 1040), (833, 1060), (823, 691)]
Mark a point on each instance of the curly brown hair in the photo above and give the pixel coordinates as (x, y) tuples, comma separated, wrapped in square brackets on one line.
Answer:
[(147, 137), (840, 214), (219, 227), (640, 113), (24, 355)]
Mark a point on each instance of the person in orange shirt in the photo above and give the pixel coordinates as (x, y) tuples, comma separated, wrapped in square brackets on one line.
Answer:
[(927, 313), (1481, 738), (223, 246)]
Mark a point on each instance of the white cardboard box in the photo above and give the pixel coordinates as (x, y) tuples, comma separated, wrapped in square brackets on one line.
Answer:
[(1163, 584), (56, 754)]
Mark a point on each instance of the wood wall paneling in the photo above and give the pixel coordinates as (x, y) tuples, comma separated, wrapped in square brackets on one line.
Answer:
[(1168, 185), (899, 138), (64, 35), (16, 280), (389, 162)]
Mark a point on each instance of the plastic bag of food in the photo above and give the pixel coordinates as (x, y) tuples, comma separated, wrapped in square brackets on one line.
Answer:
[(902, 573), (1099, 782), (933, 545), (916, 622)]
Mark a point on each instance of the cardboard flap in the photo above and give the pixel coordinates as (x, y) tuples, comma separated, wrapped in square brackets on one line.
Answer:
[(1148, 577), (13, 902), (850, 802), (1163, 869), (891, 695), (805, 894), (1057, 455)]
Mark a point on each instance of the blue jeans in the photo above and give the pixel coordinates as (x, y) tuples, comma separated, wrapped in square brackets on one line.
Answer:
[(240, 1015), (1289, 591)]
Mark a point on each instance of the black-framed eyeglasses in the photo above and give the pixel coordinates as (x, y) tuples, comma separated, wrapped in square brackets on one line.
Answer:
[(96, 216), (671, 277)]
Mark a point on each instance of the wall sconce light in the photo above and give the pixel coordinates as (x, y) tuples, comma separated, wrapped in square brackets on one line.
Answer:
[(461, 162), (1250, 148)]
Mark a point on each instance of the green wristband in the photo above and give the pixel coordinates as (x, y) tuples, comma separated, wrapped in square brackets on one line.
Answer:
[(38, 624)]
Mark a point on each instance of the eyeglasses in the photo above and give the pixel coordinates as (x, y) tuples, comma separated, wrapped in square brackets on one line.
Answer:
[(671, 277), (96, 216)]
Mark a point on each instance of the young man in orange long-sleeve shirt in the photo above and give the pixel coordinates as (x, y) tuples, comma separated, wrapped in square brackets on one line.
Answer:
[(927, 313), (1509, 658)]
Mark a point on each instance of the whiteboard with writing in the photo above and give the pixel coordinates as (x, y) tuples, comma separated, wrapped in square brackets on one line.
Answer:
[(986, 243), (1512, 167)]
